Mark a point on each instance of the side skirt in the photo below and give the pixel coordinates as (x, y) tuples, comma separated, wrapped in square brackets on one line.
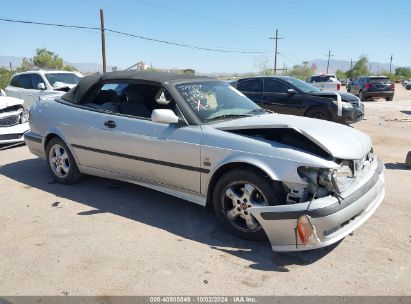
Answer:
[(180, 193)]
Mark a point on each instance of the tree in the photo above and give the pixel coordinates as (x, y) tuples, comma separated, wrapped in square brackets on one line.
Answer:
[(263, 65), (340, 74), (45, 59), (406, 72), (301, 72), (5, 76), (359, 69)]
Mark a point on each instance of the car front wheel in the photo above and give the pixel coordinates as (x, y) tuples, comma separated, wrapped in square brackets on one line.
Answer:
[(61, 163), (238, 191)]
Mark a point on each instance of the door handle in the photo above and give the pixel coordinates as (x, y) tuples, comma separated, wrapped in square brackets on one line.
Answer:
[(110, 124)]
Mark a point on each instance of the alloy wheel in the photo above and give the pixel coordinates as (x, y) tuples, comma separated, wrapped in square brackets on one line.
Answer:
[(237, 198), (59, 161)]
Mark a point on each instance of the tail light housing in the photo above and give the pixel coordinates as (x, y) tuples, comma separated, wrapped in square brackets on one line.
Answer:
[(368, 86), (338, 86)]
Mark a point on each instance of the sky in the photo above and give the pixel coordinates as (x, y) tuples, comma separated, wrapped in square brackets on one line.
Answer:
[(348, 28)]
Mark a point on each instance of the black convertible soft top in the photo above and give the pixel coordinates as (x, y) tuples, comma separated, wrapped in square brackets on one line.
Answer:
[(76, 94)]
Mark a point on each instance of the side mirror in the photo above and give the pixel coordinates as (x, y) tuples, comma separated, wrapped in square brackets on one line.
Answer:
[(41, 86), (291, 92), (164, 116)]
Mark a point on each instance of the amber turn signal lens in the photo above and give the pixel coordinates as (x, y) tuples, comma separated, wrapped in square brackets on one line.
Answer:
[(305, 228)]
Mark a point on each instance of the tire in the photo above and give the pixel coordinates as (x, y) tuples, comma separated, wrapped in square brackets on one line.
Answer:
[(390, 98), (361, 96), (61, 163), (232, 212), (319, 113)]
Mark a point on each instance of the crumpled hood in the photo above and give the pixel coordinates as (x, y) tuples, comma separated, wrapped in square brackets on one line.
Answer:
[(6, 102), (338, 140)]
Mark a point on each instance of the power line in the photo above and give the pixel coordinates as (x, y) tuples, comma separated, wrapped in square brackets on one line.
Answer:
[(185, 13), (134, 36)]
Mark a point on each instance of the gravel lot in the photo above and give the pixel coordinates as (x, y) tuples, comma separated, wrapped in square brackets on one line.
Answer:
[(101, 237)]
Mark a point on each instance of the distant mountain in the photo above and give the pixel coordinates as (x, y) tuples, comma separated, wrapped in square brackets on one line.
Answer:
[(375, 67), (84, 67)]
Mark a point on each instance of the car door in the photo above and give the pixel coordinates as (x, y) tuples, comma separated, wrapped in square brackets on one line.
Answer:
[(27, 92), (277, 98), (252, 88), (137, 147), (355, 86)]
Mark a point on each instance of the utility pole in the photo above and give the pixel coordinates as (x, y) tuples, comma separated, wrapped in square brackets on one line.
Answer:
[(276, 38), (103, 41), (351, 65), (11, 67), (328, 62), (391, 63)]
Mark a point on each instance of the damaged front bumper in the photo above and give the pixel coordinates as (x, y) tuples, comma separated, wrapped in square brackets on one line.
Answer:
[(13, 134), (333, 218)]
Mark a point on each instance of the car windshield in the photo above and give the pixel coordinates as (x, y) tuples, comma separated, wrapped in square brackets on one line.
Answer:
[(213, 100), (58, 79), (302, 85)]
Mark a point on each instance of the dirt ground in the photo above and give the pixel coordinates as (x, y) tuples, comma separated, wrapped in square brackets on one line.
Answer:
[(100, 237)]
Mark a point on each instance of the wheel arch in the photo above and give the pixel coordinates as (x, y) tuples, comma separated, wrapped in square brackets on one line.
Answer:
[(318, 106), (56, 134), (235, 165)]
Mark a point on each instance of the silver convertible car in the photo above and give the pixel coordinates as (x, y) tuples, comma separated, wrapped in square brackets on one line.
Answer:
[(303, 183)]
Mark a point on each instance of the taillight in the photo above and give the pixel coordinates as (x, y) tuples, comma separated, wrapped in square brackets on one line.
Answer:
[(392, 86), (338, 86), (368, 86)]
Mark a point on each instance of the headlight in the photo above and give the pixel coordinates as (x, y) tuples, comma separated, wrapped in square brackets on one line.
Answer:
[(24, 116), (342, 178)]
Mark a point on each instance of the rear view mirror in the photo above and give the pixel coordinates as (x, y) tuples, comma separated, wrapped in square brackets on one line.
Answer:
[(291, 91), (164, 116), (41, 86)]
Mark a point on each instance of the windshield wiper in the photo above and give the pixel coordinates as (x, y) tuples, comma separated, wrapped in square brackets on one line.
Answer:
[(229, 116), (260, 110)]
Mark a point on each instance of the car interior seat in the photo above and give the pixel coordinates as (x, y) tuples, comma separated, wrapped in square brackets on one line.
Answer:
[(133, 103)]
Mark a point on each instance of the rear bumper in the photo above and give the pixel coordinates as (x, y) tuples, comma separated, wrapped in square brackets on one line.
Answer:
[(382, 94), (332, 218), (14, 134), (35, 144)]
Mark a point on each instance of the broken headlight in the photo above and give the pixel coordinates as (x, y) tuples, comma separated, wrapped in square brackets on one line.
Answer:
[(24, 117), (323, 181), (342, 177)]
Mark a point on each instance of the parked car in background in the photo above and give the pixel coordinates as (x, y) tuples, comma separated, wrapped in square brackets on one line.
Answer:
[(13, 120), (289, 95), (32, 85), (407, 84), (368, 87), (303, 183), (325, 82)]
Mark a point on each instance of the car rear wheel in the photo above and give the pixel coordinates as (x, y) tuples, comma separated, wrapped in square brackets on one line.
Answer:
[(61, 163), (236, 192), (389, 98), (319, 113)]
